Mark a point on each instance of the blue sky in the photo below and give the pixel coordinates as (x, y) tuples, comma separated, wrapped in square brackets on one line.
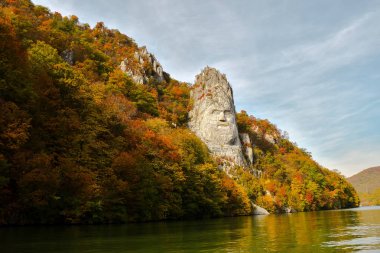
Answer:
[(310, 67)]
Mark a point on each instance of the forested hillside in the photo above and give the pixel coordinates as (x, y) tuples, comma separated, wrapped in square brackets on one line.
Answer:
[(291, 180), (81, 142)]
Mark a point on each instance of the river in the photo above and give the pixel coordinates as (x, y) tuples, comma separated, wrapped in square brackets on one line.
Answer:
[(325, 231)]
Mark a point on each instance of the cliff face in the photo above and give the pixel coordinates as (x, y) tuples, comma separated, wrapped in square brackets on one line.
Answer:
[(141, 66), (213, 118)]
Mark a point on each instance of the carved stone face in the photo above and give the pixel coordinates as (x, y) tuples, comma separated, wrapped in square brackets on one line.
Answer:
[(212, 117), (217, 124)]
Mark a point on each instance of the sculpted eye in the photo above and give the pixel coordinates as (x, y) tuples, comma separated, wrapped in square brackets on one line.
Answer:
[(228, 113)]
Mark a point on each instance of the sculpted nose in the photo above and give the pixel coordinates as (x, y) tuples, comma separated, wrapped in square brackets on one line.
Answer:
[(222, 117)]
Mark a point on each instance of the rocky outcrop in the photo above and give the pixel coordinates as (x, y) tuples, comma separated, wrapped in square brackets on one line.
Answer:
[(258, 210), (142, 66), (289, 210), (68, 56), (272, 138), (247, 147), (213, 119)]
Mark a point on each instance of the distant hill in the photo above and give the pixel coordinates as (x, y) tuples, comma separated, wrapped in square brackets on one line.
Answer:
[(366, 181), (367, 184)]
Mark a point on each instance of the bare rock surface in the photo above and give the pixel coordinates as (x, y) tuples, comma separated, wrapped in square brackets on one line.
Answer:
[(142, 66), (247, 147), (258, 210), (213, 119)]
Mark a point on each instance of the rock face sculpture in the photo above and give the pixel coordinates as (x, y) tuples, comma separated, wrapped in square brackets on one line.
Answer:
[(140, 60), (213, 119)]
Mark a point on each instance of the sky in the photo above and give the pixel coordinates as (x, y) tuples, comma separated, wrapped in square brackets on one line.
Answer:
[(310, 67)]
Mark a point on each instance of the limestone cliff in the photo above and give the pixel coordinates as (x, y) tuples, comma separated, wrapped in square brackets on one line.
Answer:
[(247, 147), (213, 119), (142, 66), (270, 135)]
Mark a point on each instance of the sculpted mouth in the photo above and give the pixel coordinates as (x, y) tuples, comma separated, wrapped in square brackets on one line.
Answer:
[(224, 125)]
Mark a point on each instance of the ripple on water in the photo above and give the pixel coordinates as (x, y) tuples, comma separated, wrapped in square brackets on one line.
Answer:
[(365, 244), (363, 238), (354, 231)]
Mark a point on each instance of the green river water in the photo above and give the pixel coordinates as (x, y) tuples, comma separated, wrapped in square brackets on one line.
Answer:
[(352, 230)]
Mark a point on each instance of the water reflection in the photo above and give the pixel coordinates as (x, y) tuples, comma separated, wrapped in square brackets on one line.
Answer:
[(327, 231), (360, 231)]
